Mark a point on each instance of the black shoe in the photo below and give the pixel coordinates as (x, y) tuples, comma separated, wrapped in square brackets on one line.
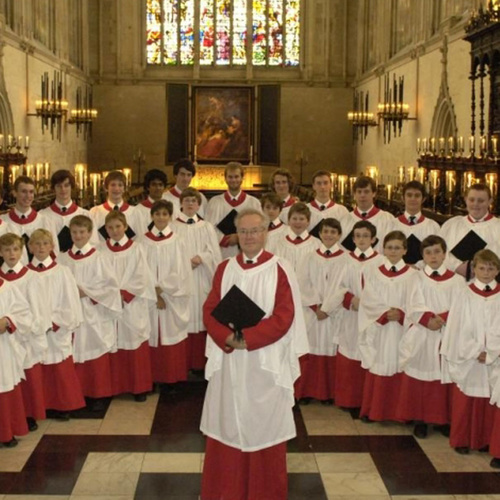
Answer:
[(327, 402), (10, 444), (443, 429), (97, 405), (304, 401), (495, 463), (32, 425), (420, 431), (140, 398), (462, 450), (354, 413), (366, 420), (62, 416)]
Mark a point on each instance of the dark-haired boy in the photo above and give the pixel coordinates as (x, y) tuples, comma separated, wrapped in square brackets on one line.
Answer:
[(63, 208), (271, 205), (184, 171), (321, 271), (365, 191), (413, 223), (114, 184), (155, 183), (282, 184), (170, 270), (350, 375), (425, 387)]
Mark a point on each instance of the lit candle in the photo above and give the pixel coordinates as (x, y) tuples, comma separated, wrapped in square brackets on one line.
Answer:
[(47, 170), (450, 181), (434, 179), (401, 174), (38, 174), (411, 173), (19, 141), (94, 178), (342, 181), (389, 192), (461, 144), (494, 145), (472, 144), (421, 175), (26, 142), (483, 144), (424, 145), (128, 176), (441, 144), (451, 144), (491, 181), (433, 144), (79, 172), (29, 170), (418, 145)]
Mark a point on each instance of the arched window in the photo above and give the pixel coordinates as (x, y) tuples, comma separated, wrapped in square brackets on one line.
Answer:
[(214, 32)]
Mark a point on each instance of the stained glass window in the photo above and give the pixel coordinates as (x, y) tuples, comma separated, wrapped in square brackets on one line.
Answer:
[(223, 27)]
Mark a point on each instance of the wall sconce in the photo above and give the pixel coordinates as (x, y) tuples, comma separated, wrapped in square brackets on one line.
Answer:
[(393, 110), (84, 114), (51, 108), (361, 118)]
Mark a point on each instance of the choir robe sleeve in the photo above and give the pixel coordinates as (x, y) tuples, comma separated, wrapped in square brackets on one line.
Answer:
[(175, 274), (210, 256), (67, 309), (18, 312), (137, 281), (41, 315), (336, 292), (308, 289)]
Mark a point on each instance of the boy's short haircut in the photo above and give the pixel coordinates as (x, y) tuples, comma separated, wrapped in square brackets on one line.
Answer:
[(300, 208), (396, 235), (479, 186), (487, 256), (184, 163), (162, 205), (23, 179), (60, 176), (273, 199), (41, 234), (321, 173), (418, 186), (330, 222), (116, 215), (364, 181), (366, 224), (432, 240), (82, 221), (191, 193), (154, 175), (115, 175), (234, 165), (285, 173), (8, 239)]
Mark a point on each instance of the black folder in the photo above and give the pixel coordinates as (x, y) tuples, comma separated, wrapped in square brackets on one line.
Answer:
[(468, 246), (64, 239), (238, 309), (413, 254), (226, 225)]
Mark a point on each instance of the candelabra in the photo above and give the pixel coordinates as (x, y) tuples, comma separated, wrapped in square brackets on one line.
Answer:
[(361, 119), (12, 158), (84, 114)]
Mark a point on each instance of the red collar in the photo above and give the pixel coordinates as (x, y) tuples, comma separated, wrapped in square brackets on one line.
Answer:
[(295, 242), (487, 218), (125, 206), (264, 257), (390, 274), (174, 192), (369, 215), (15, 218), (275, 226), (328, 205), (152, 237), (71, 210), (442, 277), (354, 256), (291, 200), (235, 203), (475, 289), (336, 254), (146, 203), (34, 268), (402, 218), (120, 248), (82, 256), (14, 276)]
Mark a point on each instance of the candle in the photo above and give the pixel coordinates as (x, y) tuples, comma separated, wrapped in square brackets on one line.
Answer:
[(38, 173), (411, 173), (424, 145), (451, 144), (450, 181), (389, 192), (441, 144), (79, 172), (47, 170), (128, 176), (421, 175), (251, 153), (435, 179), (483, 144), (9, 140), (195, 152), (433, 144), (494, 145), (26, 142), (342, 182), (418, 145), (491, 182), (401, 174), (19, 141), (472, 144), (14, 169), (29, 170), (94, 179), (461, 144)]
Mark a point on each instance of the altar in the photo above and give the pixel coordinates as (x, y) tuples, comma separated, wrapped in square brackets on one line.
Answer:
[(211, 177)]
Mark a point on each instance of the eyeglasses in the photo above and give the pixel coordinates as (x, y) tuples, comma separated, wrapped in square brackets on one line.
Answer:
[(251, 232)]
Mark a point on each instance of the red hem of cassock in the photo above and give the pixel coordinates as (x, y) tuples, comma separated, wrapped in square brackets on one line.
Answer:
[(169, 362), (317, 377), (196, 350), (12, 415), (471, 421), (33, 392), (131, 370), (380, 397), (349, 382), (95, 377), (237, 475), (423, 400), (495, 433), (61, 386)]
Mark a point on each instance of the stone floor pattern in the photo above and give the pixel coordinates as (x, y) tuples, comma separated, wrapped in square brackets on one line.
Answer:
[(154, 450)]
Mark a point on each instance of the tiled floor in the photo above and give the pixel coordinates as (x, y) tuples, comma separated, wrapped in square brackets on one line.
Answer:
[(155, 450)]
